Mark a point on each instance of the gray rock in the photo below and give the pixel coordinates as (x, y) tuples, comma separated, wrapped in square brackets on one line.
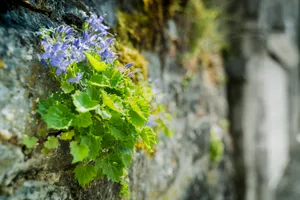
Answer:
[(37, 190), (10, 159), (284, 49)]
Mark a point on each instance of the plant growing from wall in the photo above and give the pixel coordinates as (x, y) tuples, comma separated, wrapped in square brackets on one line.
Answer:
[(216, 149), (99, 109)]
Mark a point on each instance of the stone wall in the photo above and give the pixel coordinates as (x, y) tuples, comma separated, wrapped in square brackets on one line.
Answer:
[(180, 169)]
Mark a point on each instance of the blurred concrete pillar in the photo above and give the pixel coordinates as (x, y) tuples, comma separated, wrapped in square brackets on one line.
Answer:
[(263, 94)]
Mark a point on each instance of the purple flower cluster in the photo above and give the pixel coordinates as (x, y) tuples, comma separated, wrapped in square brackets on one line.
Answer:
[(64, 45)]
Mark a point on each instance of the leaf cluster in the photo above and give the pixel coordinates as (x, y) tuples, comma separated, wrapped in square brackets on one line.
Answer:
[(102, 117)]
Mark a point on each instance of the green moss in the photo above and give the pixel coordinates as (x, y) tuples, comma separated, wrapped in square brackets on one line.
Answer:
[(129, 54), (203, 36), (202, 25), (216, 150), (143, 28)]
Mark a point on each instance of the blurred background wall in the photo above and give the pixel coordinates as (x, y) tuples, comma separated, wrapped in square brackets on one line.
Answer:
[(263, 96)]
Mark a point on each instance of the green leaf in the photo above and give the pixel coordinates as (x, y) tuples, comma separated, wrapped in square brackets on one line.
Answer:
[(99, 80), (108, 141), (42, 132), (94, 145), (136, 119), (99, 169), (98, 65), (30, 141), (109, 102), (113, 167), (98, 128), (45, 151), (118, 126), (124, 192), (114, 77), (93, 92), (136, 108), (144, 107), (104, 113), (78, 151), (44, 105), (83, 102), (85, 173), (83, 120), (58, 117), (51, 143), (67, 135), (149, 137), (117, 133), (126, 150), (147, 93), (67, 87)]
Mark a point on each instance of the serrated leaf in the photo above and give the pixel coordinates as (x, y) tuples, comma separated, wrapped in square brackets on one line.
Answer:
[(125, 192), (97, 65), (85, 174), (136, 108), (136, 119), (144, 107), (117, 127), (51, 143), (109, 102), (99, 169), (98, 128), (44, 105), (83, 102), (147, 93), (94, 145), (30, 141), (108, 141), (93, 92), (117, 133), (104, 113), (126, 150), (112, 166), (83, 120), (149, 137), (67, 135), (58, 117), (99, 80), (67, 87), (78, 151), (114, 77)]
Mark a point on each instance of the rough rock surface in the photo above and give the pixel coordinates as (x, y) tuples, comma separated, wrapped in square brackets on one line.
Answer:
[(181, 168)]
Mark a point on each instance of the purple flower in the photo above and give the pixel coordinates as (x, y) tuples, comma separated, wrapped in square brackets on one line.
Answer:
[(62, 67), (128, 65), (76, 79), (64, 45), (95, 24), (85, 35)]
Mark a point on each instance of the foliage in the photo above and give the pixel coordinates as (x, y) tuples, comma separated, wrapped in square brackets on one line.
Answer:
[(148, 19), (203, 36), (99, 109), (30, 142), (216, 146), (159, 117), (202, 26)]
